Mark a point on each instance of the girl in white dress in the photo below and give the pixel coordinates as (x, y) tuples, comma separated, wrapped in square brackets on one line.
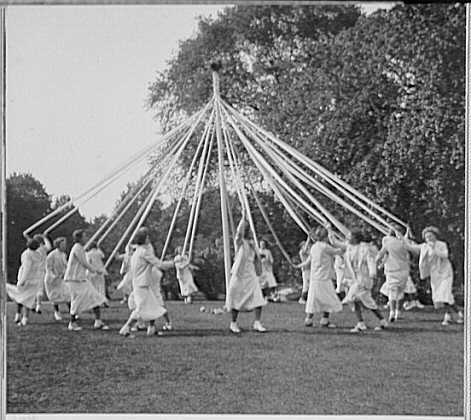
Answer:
[(83, 294), (244, 292), (146, 299), (56, 289), (434, 263), (184, 275), (321, 297), (395, 258), (95, 258), (125, 285), (360, 259), (267, 279), (25, 292), (304, 248)]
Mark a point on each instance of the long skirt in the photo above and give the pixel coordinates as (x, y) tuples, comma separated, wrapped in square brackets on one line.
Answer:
[(145, 304), (98, 281), (125, 285), (244, 292), (84, 296), (57, 290), (187, 284), (27, 293), (359, 292), (267, 279), (442, 287), (321, 297), (395, 285)]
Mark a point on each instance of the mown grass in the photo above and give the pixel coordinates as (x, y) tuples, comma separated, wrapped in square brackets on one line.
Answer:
[(415, 367)]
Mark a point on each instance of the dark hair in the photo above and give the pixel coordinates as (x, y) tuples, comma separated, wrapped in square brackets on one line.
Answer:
[(396, 226), (356, 236), (33, 244), (92, 245), (141, 236), (367, 236), (321, 234), (77, 235), (39, 238), (58, 241)]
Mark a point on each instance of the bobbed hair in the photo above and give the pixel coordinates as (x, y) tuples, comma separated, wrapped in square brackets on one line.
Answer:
[(33, 244), (141, 236)]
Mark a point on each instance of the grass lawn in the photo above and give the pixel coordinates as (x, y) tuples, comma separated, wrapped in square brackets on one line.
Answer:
[(415, 367)]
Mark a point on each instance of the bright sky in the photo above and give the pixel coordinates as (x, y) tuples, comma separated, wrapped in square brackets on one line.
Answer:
[(77, 79)]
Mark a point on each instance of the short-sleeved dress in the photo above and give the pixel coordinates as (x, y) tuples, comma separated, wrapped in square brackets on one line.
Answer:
[(244, 293), (56, 289), (396, 268), (321, 296)]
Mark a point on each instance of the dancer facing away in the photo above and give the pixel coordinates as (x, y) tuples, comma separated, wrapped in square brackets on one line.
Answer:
[(305, 269), (244, 292), (95, 258), (360, 260), (146, 300), (321, 296), (434, 263), (184, 275), (57, 290), (267, 279), (25, 292), (83, 294), (44, 248), (395, 258)]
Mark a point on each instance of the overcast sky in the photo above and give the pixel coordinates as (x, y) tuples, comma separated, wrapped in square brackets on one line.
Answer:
[(77, 79)]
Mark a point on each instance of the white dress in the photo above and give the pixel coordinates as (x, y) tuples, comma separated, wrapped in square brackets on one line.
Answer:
[(267, 278), (30, 282), (306, 270), (83, 294), (125, 285), (42, 251), (244, 292), (146, 301), (321, 296), (184, 276), (396, 268), (56, 289), (434, 263), (95, 259), (361, 261)]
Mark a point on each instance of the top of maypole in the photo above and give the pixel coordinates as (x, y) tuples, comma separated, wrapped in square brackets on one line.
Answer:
[(215, 67)]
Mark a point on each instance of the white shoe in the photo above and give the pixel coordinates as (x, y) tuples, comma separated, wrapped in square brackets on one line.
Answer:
[(100, 325), (151, 330), (125, 330), (24, 321), (460, 319), (167, 327), (17, 318), (419, 305), (409, 305), (308, 322), (73, 327), (325, 323), (446, 319), (57, 316), (359, 327), (382, 325), (301, 301), (257, 326), (234, 328)]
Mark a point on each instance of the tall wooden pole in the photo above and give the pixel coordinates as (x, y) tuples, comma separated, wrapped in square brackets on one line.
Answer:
[(222, 185)]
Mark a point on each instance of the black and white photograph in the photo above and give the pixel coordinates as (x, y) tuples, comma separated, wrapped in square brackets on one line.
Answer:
[(244, 209)]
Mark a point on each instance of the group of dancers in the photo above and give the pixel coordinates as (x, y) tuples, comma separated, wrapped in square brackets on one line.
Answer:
[(79, 279)]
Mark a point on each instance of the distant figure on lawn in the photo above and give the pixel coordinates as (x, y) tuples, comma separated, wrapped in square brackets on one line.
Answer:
[(184, 274), (56, 289), (146, 299), (434, 263), (244, 292), (29, 282), (321, 297), (83, 294), (267, 279)]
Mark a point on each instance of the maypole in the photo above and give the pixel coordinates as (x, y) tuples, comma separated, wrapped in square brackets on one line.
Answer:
[(222, 183)]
